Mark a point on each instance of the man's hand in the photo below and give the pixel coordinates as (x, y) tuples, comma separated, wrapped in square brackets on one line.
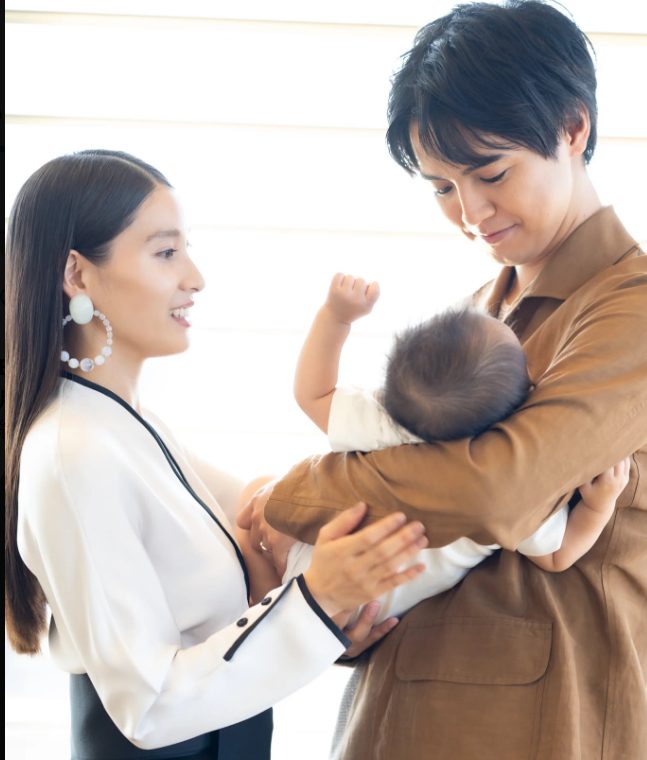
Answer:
[(350, 298), (263, 538)]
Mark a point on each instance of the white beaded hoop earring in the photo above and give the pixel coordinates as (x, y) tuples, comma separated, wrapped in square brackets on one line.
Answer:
[(81, 312)]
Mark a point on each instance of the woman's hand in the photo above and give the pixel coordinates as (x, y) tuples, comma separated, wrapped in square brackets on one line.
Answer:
[(262, 537), (347, 571), (363, 633), (262, 574)]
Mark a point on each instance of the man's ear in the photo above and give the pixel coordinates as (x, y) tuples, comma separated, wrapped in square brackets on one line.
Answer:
[(73, 278), (578, 132)]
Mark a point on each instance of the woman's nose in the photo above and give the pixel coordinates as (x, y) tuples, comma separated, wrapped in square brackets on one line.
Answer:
[(193, 278)]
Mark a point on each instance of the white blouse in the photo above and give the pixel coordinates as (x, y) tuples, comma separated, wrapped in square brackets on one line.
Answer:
[(147, 590)]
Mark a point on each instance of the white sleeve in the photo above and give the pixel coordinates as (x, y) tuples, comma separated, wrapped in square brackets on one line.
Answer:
[(548, 537), (358, 422), (82, 534), (225, 488), (444, 567)]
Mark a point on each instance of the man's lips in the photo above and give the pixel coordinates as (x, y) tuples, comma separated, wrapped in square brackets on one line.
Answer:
[(495, 237)]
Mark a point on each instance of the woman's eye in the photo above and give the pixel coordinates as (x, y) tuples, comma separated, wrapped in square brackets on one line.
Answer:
[(166, 254), (491, 180)]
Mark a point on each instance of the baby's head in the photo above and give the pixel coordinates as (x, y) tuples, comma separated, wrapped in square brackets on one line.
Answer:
[(455, 375)]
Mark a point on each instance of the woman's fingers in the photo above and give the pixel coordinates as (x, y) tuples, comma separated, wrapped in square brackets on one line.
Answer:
[(365, 538), (396, 548), (343, 523), (379, 549), (349, 569), (621, 470), (363, 634), (400, 577), (361, 628)]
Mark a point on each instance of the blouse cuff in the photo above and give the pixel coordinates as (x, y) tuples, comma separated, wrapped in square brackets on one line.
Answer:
[(325, 619)]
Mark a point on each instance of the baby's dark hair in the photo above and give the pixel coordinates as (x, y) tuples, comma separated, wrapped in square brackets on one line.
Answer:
[(455, 375)]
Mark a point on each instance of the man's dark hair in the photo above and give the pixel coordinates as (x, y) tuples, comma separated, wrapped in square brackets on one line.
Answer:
[(454, 376), (492, 76)]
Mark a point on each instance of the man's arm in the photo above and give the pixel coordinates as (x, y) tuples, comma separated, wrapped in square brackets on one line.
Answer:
[(315, 380), (588, 409), (588, 518)]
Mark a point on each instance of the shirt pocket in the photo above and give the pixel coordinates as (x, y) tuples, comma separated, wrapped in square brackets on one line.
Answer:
[(472, 687)]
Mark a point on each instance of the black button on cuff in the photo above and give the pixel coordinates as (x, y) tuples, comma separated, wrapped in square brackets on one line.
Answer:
[(267, 600), (242, 622)]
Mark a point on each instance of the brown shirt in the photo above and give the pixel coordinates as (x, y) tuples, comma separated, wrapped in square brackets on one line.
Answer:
[(515, 662)]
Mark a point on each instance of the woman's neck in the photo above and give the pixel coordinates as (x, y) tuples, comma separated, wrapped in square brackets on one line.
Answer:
[(123, 381)]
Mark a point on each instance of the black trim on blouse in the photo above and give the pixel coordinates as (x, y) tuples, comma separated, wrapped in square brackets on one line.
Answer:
[(309, 599), (234, 647), (326, 619), (169, 458)]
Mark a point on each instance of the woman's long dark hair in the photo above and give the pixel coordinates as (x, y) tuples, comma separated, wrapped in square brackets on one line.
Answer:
[(80, 201)]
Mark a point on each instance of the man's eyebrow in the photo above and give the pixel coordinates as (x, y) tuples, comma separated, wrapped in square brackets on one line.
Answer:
[(164, 234), (485, 161)]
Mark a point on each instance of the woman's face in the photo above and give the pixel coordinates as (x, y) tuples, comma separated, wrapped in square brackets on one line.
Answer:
[(520, 205), (147, 285)]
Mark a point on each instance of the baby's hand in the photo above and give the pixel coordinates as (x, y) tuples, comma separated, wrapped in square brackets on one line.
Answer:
[(350, 298), (600, 494)]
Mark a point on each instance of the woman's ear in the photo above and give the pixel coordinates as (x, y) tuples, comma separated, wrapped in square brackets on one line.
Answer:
[(578, 132), (73, 281)]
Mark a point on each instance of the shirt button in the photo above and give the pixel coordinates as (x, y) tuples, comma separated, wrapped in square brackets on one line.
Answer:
[(267, 600), (242, 622)]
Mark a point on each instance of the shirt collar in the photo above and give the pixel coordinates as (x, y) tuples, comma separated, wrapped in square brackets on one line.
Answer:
[(597, 243)]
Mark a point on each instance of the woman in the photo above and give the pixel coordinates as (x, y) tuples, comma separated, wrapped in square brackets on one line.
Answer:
[(495, 108), (116, 528)]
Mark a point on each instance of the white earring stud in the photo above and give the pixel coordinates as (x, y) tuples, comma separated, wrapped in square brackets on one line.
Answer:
[(81, 309), (81, 312)]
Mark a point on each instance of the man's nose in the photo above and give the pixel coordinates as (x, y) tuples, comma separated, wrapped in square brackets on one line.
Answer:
[(475, 208)]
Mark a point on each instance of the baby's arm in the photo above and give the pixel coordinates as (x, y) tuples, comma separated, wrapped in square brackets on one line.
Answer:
[(588, 518), (318, 366)]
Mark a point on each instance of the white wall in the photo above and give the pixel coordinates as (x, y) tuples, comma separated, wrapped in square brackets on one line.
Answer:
[(269, 118)]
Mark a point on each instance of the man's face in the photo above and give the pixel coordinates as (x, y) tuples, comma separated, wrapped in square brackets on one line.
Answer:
[(520, 205)]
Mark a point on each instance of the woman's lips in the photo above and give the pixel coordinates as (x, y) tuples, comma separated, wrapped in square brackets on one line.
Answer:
[(180, 315)]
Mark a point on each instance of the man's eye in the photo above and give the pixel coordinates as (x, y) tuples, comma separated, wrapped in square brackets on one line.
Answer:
[(442, 190), (491, 180)]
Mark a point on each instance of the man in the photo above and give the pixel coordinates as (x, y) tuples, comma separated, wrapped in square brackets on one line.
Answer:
[(495, 106)]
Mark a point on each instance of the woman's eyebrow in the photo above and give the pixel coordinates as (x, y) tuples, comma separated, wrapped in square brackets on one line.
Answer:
[(163, 234)]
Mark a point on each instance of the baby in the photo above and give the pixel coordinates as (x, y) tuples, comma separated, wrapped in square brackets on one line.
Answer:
[(454, 376)]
